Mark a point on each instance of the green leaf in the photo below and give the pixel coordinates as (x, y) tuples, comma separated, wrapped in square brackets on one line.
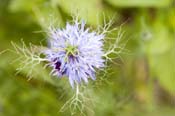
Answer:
[(161, 53), (161, 40), (139, 3), (23, 5), (45, 12), (92, 10), (47, 15), (163, 69)]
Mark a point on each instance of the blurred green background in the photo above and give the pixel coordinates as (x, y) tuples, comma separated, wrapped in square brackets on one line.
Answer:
[(141, 84)]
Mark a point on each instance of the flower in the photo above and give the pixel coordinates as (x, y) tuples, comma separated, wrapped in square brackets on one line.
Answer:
[(75, 52)]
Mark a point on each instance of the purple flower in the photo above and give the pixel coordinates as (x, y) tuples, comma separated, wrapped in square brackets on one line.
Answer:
[(75, 52)]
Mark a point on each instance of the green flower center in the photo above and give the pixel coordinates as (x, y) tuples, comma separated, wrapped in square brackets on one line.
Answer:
[(71, 50)]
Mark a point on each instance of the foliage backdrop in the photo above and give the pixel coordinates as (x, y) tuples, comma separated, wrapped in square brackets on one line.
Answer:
[(142, 83)]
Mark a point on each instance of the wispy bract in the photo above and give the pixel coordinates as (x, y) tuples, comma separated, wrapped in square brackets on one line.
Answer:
[(75, 52)]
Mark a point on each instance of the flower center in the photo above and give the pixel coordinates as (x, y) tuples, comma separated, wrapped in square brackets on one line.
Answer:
[(71, 50)]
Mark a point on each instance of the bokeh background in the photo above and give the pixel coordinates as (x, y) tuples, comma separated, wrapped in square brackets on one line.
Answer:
[(142, 83)]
